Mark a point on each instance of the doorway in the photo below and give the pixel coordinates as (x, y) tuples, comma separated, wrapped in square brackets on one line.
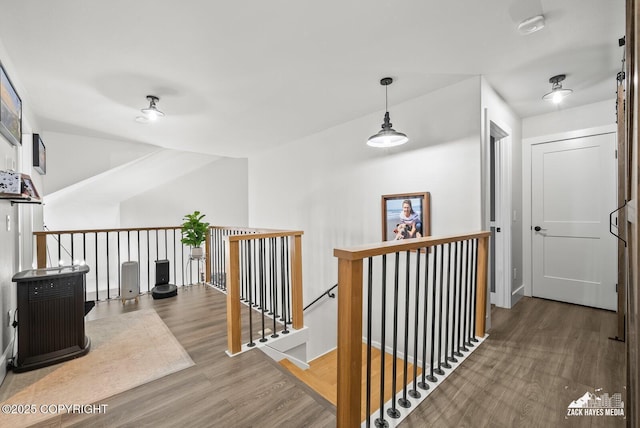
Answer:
[(498, 215), (572, 192)]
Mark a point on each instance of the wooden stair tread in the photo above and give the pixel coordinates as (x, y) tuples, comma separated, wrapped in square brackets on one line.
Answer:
[(322, 376)]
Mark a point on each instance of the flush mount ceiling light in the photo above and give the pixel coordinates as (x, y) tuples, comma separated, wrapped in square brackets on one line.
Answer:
[(531, 25), (152, 112), (557, 94), (387, 137)]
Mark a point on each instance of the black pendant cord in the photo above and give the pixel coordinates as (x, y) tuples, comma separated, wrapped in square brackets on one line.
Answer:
[(423, 382)]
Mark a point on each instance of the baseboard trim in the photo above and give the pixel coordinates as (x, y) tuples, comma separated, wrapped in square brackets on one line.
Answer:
[(4, 360)]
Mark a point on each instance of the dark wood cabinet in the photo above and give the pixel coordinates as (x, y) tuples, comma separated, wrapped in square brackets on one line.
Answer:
[(50, 316)]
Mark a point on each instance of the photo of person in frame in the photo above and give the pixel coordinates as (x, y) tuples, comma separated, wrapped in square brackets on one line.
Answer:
[(403, 217), (410, 224)]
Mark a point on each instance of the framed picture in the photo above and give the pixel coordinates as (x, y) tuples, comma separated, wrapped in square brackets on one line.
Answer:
[(28, 188), (10, 110), (39, 155), (405, 216)]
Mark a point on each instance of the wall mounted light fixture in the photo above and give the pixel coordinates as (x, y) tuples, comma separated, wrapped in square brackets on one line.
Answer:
[(387, 137), (557, 93)]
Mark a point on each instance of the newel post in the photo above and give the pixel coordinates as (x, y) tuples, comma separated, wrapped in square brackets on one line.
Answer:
[(295, 244), (41, 250), (481, 285), (349, 343), (234, 340)]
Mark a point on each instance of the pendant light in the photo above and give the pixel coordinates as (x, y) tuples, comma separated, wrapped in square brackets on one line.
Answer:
[(387, 137), (152, 112), (557, 94)]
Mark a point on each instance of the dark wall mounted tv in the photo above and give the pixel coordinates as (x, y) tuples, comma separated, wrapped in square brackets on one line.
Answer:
[(39, 155)]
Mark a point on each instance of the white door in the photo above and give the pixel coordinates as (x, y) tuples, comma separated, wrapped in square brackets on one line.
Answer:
[(573, 190)]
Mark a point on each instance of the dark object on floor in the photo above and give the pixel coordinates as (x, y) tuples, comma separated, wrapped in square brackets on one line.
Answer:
[(163, 289), (51, 322), (88, 306)]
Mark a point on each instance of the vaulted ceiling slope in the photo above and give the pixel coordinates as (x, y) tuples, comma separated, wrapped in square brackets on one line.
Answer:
[(238, 77)]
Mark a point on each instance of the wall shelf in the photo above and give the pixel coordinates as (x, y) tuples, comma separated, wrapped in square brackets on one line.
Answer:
[(20, 200)]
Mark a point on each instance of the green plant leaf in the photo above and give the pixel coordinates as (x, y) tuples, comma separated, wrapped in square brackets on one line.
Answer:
[(194, 230)]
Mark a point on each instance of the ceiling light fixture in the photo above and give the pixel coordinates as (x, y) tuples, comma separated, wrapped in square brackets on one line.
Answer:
[(152, 112), (557, 94), (531, 25), (387, 137)]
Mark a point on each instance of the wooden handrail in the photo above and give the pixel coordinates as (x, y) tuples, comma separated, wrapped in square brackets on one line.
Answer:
[(389, 247), (350, 298), (78, 231), (262, 234)]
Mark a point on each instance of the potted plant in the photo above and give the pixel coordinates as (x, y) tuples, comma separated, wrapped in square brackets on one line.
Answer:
[(194, 233)]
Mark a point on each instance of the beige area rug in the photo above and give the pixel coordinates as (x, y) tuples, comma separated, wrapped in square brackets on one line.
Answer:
[(127, 350)]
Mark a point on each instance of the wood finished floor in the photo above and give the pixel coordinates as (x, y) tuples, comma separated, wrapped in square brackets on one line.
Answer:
[(540, 356), (247, 390)]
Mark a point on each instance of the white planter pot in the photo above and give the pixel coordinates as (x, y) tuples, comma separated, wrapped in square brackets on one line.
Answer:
[(197, 252)]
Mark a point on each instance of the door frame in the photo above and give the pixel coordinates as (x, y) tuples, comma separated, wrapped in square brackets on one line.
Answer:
[(502, 134), (528, 143)]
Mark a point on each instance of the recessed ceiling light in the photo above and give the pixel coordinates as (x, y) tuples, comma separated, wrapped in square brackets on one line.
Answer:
[(531, 25)]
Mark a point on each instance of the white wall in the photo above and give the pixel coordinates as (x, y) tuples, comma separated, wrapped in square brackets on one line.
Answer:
[(567, 123), (219, 190), (563, 120), (17, 221), (330, 184)]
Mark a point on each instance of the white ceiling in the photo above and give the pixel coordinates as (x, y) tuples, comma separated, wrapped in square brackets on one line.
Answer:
[(241, 76)]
